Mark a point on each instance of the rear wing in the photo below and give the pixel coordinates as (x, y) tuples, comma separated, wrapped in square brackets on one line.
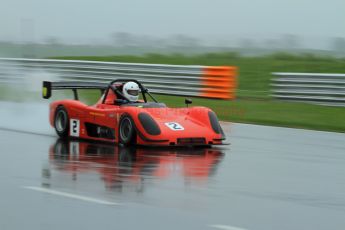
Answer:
[(62, 85)]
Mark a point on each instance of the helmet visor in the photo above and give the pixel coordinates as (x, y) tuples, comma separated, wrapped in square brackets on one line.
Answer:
[(133, 92)]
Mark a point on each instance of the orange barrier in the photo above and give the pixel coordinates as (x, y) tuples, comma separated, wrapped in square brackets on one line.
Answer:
[(181, 80), (219, 82)]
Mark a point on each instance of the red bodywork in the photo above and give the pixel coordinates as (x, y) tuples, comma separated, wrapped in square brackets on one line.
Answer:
[(195, 121)]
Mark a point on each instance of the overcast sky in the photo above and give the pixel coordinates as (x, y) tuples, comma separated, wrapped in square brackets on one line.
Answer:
[(87, 20)]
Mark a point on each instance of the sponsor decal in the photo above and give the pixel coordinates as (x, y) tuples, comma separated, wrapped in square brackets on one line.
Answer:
[(97, 114)]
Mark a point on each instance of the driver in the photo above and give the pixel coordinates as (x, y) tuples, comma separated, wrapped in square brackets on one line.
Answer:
[(131, 91)]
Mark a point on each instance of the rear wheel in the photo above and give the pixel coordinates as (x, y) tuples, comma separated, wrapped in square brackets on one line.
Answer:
[(61, 123), (127, 133)]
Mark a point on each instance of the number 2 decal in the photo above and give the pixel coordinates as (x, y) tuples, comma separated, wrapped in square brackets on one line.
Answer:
[(74, 127), (174, 126)]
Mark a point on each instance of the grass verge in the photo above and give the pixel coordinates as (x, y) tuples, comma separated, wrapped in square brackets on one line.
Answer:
[(254, 104), (270, 112), (262, 111)]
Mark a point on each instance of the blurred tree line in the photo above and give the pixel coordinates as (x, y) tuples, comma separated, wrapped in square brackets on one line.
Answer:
[(129, 43)]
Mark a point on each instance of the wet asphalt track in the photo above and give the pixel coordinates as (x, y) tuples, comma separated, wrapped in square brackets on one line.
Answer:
[(268, 178)]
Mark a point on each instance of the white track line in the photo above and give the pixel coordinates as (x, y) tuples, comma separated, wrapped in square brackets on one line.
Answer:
[(225, 227), (70, 195)]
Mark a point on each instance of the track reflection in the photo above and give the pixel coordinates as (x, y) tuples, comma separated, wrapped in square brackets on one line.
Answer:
[(74, 162)]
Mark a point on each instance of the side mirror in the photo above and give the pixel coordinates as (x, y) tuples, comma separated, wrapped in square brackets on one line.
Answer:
[(188, 101)]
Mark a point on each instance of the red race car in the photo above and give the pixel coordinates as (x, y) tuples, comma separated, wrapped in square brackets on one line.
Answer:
[(119, 116)]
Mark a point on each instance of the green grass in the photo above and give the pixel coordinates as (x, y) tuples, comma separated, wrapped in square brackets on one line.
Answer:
[(271, 112), (254, 72), (253, 105), (243, 110), (264, 112)]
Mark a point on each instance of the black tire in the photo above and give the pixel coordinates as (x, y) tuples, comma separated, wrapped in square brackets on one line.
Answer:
[(127, 132), (61, 122)]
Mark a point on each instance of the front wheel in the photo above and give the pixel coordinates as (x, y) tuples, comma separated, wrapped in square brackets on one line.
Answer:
[(61, 123), (127, 133)]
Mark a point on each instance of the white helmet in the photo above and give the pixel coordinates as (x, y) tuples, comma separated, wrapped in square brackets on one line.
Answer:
[(131, 91)]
